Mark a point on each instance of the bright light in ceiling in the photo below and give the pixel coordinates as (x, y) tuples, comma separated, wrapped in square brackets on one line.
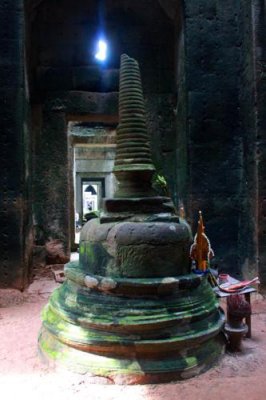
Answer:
[(101, 50)]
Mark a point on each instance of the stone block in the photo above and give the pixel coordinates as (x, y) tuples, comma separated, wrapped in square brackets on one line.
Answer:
[(109, 80), (87, 78), (8, 21), (218, 153), (58, 56), (12, 257), (201, 181), (166, 81), (39, 256), (7, 6), (94, 165), (196, 105), (201, 8), (54, 79), (150, 79), (11, 52), (55, 252), (83, 102), (11, 76)]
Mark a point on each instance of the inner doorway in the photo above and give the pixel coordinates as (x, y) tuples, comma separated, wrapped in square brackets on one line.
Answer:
[(92, 153), (92, 193), (89, 196)]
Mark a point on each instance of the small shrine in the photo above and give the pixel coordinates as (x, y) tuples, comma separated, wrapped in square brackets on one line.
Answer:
[(130, 309), (201, 251)]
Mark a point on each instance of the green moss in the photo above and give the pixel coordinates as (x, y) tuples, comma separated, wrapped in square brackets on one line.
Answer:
[(81, 248), (180, 328), (106, 366)]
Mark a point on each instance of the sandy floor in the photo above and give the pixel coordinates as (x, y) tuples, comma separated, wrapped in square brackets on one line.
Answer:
[(24, 376)]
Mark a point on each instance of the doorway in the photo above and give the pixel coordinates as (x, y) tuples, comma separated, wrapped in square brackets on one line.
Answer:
[(92, 153), (88, 202), (92, 193)]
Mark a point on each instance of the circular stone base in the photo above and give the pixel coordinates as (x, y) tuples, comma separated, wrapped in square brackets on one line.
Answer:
[(135, 370), (171, 334)]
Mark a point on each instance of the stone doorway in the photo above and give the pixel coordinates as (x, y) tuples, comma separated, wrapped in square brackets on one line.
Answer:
[(91, 154)]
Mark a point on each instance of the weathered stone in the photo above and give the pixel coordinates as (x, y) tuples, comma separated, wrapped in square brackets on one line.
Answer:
[(107, 284), (204, 85), (51, 187), (129, 309), (133, 165), (91, 282), (76, 102), (15, 232), (39, 256), (55, 253), (139, 205), (114, 249)]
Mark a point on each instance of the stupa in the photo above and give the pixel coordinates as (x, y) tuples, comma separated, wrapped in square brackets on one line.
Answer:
[(130, 310)]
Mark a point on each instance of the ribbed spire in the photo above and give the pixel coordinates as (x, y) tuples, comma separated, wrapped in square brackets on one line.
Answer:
[(133, 163)]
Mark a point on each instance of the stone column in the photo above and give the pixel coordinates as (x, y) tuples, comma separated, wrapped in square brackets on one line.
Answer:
[(215, 157), (259, 20), (51, 186), (13, 201)]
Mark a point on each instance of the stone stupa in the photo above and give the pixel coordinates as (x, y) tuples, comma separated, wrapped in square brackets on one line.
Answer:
[(130, 310)]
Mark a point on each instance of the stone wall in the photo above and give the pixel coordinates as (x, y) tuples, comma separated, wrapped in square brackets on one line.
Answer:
[(53, 172), (51, 180), (203, 72), (182, 139), (66, 82), (216, 167), (14, 200), (248, 232), (259, 32), (94, 163)]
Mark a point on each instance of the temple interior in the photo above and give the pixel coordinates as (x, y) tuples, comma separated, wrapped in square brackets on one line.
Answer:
[(203, 69), (202, 66)]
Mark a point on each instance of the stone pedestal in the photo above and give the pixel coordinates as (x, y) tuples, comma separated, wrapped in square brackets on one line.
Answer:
[(130, 310)]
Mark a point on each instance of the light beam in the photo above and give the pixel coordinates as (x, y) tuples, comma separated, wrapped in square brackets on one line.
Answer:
[(101, 50)]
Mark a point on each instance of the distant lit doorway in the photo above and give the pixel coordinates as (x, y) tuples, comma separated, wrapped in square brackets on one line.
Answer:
[(92, 147), (92, 193)]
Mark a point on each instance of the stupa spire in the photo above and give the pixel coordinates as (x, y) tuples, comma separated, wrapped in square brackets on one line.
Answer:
[(133, 163)]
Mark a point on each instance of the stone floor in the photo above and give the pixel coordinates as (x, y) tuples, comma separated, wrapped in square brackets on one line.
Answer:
[(24, 376)]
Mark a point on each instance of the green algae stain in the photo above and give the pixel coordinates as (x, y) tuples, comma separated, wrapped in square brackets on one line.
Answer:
[(81, 248)]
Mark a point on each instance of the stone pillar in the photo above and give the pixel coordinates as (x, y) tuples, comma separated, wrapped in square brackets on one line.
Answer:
[(248, 238), (259, 21), (215, 173), (13, 201), (51, 186)]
